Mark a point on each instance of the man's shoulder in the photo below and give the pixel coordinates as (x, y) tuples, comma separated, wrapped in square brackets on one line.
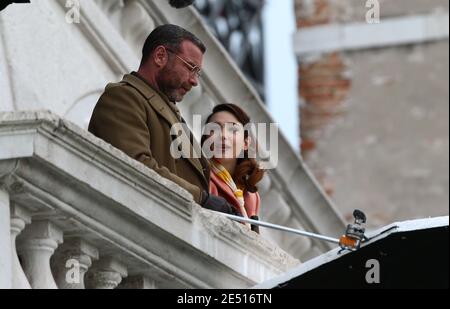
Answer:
[(130, 92), (119, 93), (137, 83), (120, 87), (130, 85)]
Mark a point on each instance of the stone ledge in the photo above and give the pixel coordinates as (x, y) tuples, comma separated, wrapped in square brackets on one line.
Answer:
[(90, 189)]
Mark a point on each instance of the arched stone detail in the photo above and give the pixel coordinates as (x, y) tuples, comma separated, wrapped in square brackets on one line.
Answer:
[(81, 111)]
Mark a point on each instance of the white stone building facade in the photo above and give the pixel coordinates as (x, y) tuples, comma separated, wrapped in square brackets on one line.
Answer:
[(77, 213)]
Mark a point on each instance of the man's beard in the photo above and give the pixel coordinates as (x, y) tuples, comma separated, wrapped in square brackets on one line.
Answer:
[(170, 85)]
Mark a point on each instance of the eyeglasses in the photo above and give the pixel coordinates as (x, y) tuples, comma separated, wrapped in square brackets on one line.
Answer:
[(193, 69)]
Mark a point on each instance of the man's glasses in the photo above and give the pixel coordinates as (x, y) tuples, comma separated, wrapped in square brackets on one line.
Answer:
[(194, 69)]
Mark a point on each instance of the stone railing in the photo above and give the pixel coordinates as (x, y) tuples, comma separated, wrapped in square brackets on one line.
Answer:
[(76, 212), (106, 44)]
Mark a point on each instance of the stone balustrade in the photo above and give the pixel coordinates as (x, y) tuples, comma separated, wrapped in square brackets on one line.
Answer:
[(77, 213)]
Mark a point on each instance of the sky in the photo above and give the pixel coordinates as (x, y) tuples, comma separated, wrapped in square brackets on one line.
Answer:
[(281, 67)]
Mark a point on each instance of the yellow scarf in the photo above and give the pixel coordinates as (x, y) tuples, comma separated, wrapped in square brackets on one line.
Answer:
[(225, 176)]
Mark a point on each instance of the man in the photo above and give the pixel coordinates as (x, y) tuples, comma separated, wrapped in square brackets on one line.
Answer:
[(137, 114)]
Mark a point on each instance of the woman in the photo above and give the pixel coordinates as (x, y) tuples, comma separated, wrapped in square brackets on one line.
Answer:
[(234, 175)]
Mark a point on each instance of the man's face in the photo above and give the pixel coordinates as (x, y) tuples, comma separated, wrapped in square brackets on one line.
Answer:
[(179, 75)]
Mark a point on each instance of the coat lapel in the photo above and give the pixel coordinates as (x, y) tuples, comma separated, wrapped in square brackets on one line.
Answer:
[(152, 96)]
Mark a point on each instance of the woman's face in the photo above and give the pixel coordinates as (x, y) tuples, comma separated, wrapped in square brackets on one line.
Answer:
[(230, 142)]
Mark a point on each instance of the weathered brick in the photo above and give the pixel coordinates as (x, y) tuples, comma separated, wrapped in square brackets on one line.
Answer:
[(312, 13)]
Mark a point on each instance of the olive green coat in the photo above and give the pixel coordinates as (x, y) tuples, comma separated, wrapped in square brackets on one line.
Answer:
[(136, 119)]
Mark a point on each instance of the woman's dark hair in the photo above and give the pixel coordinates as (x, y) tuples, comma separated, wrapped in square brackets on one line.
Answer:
[(171, 36), (247, 173)]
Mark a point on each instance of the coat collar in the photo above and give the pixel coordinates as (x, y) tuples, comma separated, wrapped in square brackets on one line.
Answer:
[(158, 100)]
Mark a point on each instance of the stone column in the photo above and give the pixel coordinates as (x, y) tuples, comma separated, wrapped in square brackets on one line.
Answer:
[(138, 282), (5, 241), (19, 218), (36, 246), (106, 274), (71, 262)]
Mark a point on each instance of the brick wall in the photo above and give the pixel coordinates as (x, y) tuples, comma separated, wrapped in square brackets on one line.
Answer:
[(323, 84), (312, 13)]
